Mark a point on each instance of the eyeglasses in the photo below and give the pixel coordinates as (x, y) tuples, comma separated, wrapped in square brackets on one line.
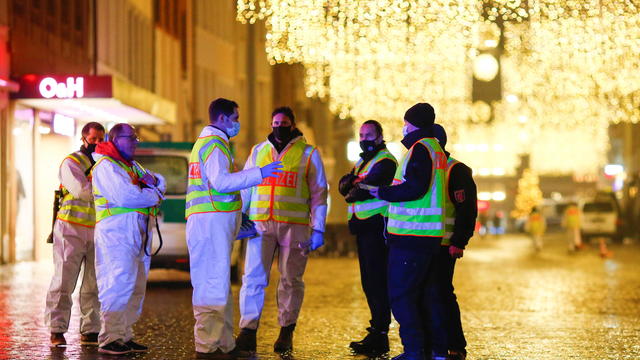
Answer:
[(130, 137)]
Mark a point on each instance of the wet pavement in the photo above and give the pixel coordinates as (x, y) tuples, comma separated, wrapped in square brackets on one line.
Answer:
[(515, 304)]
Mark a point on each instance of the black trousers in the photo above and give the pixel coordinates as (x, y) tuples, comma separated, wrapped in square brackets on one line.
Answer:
[(441, 285), (373, 257), (415, 305)]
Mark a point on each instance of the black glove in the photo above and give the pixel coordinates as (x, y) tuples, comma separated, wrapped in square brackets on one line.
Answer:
[(247, 228), (346, 184), (247, 223)]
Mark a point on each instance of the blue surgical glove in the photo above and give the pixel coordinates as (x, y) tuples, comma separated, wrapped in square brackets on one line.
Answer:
[(316, 241)]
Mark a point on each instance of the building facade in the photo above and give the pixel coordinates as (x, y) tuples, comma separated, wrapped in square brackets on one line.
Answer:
[(153, 63)]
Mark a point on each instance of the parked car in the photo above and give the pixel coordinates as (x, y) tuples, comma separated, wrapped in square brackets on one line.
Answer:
[(171, 159), (601, 217)]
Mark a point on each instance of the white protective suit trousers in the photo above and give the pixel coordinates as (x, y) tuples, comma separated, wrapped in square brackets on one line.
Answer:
[(285, 238), (121, 270), (72, 246), (210, 239)]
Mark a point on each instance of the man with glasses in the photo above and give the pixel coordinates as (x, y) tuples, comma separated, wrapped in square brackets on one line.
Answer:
[(73, 245), (126, 198)]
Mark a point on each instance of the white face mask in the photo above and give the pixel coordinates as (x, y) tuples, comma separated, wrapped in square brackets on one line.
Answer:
[(234, 129), (405, 130)]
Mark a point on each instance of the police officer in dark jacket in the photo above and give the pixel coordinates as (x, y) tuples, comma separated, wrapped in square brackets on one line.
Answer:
[(461, 212), (366, 221), (415, 230)]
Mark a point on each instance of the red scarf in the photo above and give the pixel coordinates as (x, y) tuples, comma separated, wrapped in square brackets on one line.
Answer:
[(108, 149)]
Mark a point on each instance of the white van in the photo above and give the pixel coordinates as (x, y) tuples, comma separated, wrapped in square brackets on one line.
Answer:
[(171, 159), (601, 218)]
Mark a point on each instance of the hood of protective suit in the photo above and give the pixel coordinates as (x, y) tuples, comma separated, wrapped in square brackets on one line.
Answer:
[(107, 148)]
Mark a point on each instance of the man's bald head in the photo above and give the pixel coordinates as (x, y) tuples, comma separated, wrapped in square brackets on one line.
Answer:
[(124, 137), (119, 129)]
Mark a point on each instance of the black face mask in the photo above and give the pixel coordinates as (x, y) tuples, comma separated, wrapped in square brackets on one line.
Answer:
[(282, 133), (367, 145), (91, 148)]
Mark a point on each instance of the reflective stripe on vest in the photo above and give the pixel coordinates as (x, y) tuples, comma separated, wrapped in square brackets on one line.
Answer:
[(368, 208), (73, 209), (286, 198), (449, 208), (201, 197), (104, 209), (424, 216)]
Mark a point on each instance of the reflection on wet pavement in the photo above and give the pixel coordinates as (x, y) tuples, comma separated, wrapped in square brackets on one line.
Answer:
[(515, 305)]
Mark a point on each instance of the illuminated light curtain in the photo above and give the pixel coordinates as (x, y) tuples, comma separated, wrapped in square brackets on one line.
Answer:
[(573, 64), (374, 59)]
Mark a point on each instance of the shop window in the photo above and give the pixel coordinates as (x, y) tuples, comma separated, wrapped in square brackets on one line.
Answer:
[(24, 120)]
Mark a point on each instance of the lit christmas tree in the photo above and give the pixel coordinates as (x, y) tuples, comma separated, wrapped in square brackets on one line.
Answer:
[(529, 194)]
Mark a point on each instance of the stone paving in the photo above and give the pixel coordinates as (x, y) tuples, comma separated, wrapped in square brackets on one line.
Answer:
[(515, 304)]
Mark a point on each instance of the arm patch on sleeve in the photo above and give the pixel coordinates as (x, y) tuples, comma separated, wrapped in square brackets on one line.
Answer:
[(459, 195)]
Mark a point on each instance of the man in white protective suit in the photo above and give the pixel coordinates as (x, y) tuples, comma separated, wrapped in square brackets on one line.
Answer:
[(290, 213), (127, 198), (73, 245), (213, 220)]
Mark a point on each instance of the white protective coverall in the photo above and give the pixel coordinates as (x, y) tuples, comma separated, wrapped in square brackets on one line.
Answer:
[(210, 239), (121, 263), (286, 238), (73, 245)]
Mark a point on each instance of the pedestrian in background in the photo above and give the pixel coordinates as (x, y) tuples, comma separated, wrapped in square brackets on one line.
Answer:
[(290, 214), (73, 245), (461, 210), (571, 222), (415, 231), (213, 221), (127, 199), (497, 223), (375, 167), (536, 227)]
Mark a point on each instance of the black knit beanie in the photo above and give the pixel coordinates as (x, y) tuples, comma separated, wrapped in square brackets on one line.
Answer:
[(420, 115)]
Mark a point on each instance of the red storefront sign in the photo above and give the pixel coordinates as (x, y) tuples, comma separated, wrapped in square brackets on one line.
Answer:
[(64, 87)]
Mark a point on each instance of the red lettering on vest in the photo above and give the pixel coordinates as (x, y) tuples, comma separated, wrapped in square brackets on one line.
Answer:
[(287, 179), (441, 161), (194, 170)]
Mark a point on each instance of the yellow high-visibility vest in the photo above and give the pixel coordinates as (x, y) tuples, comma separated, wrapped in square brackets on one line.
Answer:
[(572, 217), (286, 198), (201, 197), (371, 207), (424, 216), (72, 209), (104, 209)]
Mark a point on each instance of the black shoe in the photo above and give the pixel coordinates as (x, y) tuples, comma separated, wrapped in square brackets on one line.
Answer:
[(115, 348), (58, 339), (374, 344), (246, 340), (135, 347), (240, 354), (285, 339), (89, 339)]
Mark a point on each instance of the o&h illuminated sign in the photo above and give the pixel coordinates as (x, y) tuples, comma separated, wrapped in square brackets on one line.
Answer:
[(73, 87), (54, 87)]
